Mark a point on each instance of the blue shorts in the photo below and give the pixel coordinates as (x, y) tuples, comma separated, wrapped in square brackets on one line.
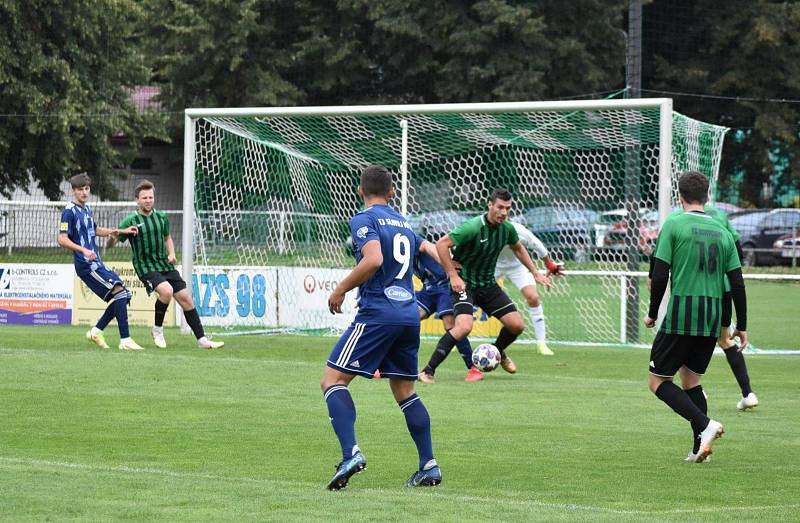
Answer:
[(101, 280), (363, 348), (435, 301)]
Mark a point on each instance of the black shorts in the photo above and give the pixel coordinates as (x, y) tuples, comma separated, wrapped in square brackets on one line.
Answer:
[(492, 300), (672, 351), (153, 279)]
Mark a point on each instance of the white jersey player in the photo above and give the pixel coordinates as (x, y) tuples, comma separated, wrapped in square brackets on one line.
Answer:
[(508, 266)]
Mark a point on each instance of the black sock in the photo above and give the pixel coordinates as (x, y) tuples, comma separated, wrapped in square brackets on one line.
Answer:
[(193, 319), (698, 398), (504, 339), (161, 311), (739, 368), (680, 402), (443, 348)]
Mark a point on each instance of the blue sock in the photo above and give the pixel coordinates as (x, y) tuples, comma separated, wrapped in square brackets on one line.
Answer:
[(121, 313), (342, 412), (419, 425), (465, 349), (107, 316)]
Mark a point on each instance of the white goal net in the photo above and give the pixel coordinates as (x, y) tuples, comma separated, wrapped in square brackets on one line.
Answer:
[(273, 191)]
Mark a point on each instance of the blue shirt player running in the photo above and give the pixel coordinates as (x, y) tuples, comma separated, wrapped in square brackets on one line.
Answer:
[(78, 233), (435, 298), (385, 332)]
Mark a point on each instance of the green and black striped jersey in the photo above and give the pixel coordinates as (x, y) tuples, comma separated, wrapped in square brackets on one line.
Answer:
[(477, 246), (149, 251), (700, 252)]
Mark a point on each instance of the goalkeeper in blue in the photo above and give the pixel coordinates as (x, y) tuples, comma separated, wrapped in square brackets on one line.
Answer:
[(385, 333)]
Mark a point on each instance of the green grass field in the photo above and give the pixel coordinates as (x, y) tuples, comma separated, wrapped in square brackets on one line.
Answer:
[(243, 434)]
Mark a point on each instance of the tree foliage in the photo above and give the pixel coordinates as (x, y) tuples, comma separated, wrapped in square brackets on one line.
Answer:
[(273, 53), (66, 68), (63, 63), (743, 49)]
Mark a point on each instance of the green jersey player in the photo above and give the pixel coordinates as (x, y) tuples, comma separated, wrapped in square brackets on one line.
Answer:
[(733, 352), (154, 259), (476, 246), (699, 254)]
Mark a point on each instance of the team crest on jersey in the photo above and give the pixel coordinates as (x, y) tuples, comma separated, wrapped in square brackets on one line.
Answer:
[(362, 232), (395, 293)]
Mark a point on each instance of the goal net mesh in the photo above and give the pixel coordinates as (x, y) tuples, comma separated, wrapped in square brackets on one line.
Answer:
[(275, 194)]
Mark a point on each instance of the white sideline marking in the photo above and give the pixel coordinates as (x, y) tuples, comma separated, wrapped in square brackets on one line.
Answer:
[(34, 463)]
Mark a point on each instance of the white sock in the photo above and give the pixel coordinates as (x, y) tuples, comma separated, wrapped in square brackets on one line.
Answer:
[(430, 464), (96, 331), (125, 340), (202, 340), (537, 317), (156, 328)]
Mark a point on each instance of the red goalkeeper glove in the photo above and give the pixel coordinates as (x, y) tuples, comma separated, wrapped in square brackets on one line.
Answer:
[(556, 269)]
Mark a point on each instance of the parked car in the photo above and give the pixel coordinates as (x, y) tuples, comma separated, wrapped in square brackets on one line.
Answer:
[(759, 230), (566, 231), (788, 248), (727, 208), (617, 237), (608, 220), (435, 224)]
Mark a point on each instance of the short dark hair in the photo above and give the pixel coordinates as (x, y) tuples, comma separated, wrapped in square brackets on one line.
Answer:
[(376, 180), (501, 194), (693, 186), (80, 180), (144, 185)]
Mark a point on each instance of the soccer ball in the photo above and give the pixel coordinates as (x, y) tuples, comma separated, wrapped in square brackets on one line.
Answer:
[(486, 357)]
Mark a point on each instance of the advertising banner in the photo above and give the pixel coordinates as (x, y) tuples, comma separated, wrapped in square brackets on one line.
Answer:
[(236, 296), (36, 294), (88, 307), (304, 296)]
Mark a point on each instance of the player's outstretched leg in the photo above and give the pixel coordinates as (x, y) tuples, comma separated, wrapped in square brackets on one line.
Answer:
[(342, 413), (504, 339), (193, 319), (158, 325), (95, 334), (465, 350), (419, 426), (443, 348), (540, 330), (739, 369), (679, 401), (120, 302), (698, 397)]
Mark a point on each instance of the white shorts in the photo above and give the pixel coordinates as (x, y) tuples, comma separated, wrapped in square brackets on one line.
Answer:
[(519, 276)]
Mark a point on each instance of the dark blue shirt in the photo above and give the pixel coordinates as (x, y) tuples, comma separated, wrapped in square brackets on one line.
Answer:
[(78, 223), (388, 296), (431, 274)]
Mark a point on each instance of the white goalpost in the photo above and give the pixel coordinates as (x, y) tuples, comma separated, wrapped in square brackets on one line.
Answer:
[(268, 193)]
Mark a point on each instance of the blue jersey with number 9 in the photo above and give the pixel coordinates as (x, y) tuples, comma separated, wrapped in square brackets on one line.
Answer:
[(388, 296)]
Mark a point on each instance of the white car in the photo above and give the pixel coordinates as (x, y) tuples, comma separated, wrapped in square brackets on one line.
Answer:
[(609, 219)]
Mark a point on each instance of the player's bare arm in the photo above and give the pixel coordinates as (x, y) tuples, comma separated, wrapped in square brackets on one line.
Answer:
[(371, 261), (443, 247), (430, 249), (522, 255), (64, 241)]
